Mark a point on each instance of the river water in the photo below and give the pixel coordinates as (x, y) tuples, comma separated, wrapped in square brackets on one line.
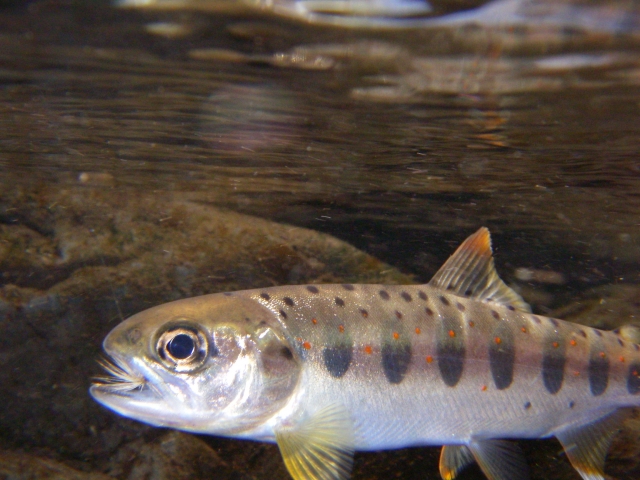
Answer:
[(397, 126)]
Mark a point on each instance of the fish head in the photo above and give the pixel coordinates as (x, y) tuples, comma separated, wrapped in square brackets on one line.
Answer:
[(213, 364)]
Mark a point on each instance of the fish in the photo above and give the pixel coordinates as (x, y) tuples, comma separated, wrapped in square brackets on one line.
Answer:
[(326, 370)]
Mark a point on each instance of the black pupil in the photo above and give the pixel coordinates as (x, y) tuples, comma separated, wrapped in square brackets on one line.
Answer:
[(181, 346)]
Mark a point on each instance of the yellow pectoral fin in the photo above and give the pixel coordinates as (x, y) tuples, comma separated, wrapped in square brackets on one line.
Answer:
[(321, 447)]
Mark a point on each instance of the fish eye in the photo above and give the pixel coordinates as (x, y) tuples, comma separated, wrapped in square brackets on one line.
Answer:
[(182, 348)]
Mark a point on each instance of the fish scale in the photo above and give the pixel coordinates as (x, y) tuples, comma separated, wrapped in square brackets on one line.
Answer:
[(324, 370)]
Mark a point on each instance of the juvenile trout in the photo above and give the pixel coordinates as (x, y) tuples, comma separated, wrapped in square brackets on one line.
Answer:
[(324, 370)]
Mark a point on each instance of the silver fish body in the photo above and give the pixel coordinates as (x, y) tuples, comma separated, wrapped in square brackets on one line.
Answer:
[(324, 370)]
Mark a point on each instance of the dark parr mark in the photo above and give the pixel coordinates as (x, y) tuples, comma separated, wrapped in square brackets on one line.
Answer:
[(348, 286), (283, 313), (337, 359), (422, 295), (553, 362), (502, 355), (312, 289), (406, 297), (265, 296), (633, 378), (339, 302), (288, 301), (527, 405), (396, 357), (444, 300), (384, 294), (450, 350), (598, 369)]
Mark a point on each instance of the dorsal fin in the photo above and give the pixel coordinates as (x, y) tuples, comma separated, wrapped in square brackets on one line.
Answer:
[(470, 272)]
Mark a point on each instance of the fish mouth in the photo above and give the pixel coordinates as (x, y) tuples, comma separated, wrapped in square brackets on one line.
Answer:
[(119, 378)]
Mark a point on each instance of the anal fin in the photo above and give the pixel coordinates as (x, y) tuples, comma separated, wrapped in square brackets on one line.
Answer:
[(319, 448), (454, 459), (500, 459), (587, 446)]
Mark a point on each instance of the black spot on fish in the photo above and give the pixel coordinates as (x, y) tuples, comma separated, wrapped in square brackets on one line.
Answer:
[(460, 307), (495, 314), (597, 332), (396, 357), (583, 333), (384, 294), (621, 343), (398, 315), (633, 378), (502, 355), (312, 289), (553, 362), (450, 350), (527, 405), (554, 322), (337, 359), (286, 353), (265, 296), (444, 300), (348, 286), (422, 295), (339, 302), (598, 369), (535, 319), (283, 313), (572, 404), (429, 311), (406, 297), (364, 313), (511, 307), (288, 301)]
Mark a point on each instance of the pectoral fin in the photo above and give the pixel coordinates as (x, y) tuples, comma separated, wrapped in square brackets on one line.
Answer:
[(587, 446), (321, 447), (500, 459), (454, 459)]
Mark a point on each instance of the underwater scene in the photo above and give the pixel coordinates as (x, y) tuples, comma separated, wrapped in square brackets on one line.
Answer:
[(407, 199)]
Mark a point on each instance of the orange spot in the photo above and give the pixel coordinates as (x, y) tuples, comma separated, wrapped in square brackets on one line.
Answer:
[(429, 359), (418, 331), (472, 323), (341, 328), (314, 321), (576, 373), (635, 373), (498, 340), (299, 339), (364, 313), (555, 344), (306, 345), (452, 333), (396, 335), (368, 349), (573, 343), (484, 388), (602, 354), (524, 330), (622, 359)]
